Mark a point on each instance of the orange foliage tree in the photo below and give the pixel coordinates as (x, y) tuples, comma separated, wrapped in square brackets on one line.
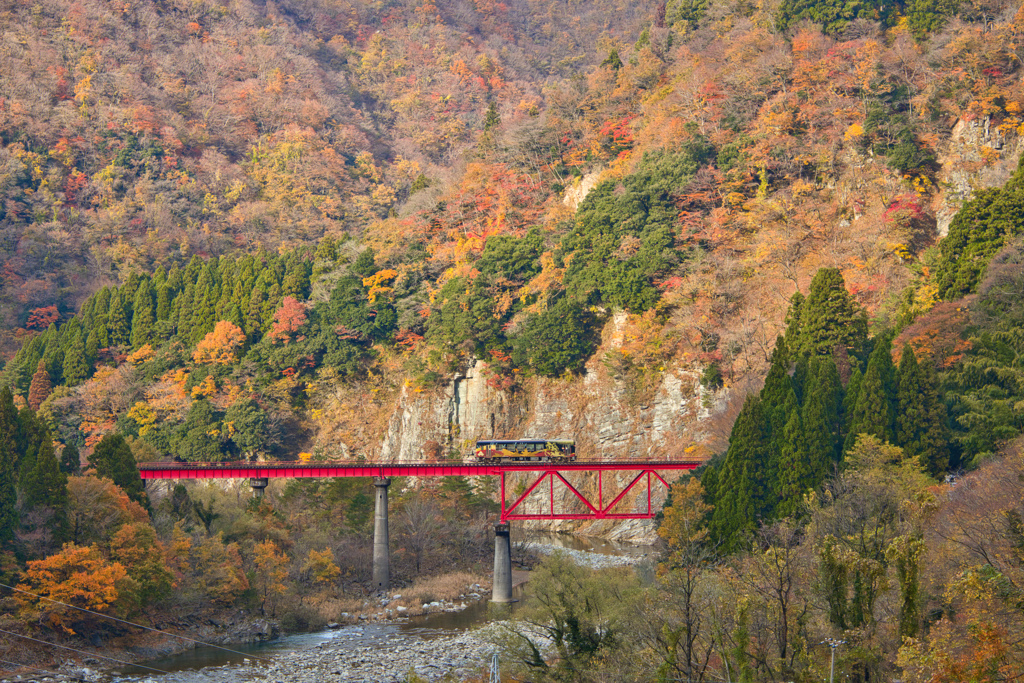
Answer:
[(271, 571), (219, 346), (77, 576)]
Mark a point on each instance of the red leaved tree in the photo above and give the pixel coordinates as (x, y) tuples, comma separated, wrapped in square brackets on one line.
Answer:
[(287, 321), (40, 387)]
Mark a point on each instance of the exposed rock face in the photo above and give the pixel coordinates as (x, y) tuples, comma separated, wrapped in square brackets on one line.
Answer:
[(594, 409), (979, 156), (577, 192)]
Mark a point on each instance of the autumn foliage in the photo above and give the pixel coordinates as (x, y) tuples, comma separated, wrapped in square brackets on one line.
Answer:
[(219, 346), (78, 576)]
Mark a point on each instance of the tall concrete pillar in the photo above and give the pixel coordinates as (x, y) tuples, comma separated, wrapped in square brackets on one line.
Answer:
[(381, 550), (501, 590), (258, 484)]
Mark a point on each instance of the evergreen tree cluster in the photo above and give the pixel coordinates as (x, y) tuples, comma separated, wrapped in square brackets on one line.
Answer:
[(793, 434), (33, 483), (985, 388), (834, 16), (978, 231), (182, 304)]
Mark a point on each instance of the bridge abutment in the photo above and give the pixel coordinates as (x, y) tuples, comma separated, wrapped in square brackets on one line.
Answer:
[(381, 547), (501, 587), (258, 484)]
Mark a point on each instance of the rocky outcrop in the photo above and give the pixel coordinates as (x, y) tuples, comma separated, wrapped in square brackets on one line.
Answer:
[(979, 155), (595, 409), (580, 188)]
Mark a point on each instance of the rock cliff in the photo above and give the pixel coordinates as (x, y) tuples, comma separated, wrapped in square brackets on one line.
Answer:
[(595, 409)]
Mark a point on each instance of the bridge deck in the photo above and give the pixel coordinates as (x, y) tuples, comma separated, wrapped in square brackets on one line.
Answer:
[(584, 507), (264, 470)]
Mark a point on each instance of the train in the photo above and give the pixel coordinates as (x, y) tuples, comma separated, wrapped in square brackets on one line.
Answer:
[(525, 450)]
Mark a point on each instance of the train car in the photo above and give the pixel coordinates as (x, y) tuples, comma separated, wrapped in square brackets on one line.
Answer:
[(525, 450)]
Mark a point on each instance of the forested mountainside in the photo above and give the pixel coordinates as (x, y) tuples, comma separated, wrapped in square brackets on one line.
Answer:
[(139, 135), (784, 238), (422, 185)]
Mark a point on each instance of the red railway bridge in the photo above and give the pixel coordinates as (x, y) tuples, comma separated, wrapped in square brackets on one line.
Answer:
[(645, 477)]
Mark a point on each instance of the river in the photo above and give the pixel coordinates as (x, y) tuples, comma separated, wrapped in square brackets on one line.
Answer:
[(205, 664)]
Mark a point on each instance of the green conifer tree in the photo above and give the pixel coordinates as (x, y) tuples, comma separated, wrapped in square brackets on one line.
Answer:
[(46, 487), (326, 256), (174, 279), (163, 302), (9, 518), (254, 312), (128, 290), (778, 388), (795, 474), (102, 305), (613, 60), (793, 337), (118, 323), (183, 312), (910, 411), (87, 314), (92, 347), (743, 481), (821, 416), (143, 316), (54, 351), (830, 317), (874, 413), (800, 371), (204, 306), (921, 429), (243, 290), (296, 278), (270, 306), (935, 438), (76, 366), (192, 270), (159, 277), (228, 268), (112, 458), (850, 399), (70, 460), (30, 434)]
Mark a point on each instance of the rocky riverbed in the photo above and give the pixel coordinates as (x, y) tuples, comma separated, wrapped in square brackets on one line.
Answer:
[(592, 560), (458, 656), (372, 647), (400, 658)]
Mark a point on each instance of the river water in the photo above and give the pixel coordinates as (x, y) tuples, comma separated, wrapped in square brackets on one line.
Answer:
[(188, 667)]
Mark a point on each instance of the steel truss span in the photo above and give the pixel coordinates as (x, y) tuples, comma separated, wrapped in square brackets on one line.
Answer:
[(526, 505)]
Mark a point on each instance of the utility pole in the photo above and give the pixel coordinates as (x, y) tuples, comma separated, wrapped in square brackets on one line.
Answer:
[(833, 644)]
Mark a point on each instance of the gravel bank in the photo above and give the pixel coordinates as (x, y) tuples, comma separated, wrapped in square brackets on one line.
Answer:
[(458, 656), (593, 560)]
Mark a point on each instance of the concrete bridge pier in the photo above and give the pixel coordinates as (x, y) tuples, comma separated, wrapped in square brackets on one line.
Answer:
[(381, 550), (501, 589), (258, 485)]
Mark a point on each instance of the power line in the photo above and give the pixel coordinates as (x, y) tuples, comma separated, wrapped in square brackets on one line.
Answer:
[(131, 623), (36, 668), (83, 652)]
